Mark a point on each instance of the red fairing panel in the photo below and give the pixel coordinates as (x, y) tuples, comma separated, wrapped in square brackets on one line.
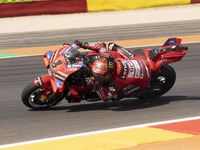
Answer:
[(132, 71), (43, 81)]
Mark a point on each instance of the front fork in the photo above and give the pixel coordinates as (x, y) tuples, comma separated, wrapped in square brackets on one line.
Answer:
[(45, 83)]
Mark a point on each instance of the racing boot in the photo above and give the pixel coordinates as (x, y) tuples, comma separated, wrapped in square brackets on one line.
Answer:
[(106, 95), (113, 46), (90, 82), (102, 92)]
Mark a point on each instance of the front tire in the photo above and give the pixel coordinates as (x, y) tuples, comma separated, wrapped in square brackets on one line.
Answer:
[(31, 97)]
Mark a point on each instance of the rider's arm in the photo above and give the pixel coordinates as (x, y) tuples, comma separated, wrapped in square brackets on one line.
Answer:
[(125, 53), (95, 46)]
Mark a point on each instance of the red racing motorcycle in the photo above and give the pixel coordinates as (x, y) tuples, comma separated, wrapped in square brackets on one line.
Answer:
[(68, 69)]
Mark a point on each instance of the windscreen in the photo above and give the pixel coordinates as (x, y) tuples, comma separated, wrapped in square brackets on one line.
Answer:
[(72, 54)]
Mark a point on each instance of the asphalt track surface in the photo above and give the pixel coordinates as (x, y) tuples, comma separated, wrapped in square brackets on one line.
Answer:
[(18, 123), (109, 33)]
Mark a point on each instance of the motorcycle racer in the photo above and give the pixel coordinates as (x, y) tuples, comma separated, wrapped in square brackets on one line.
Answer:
[(124, 65), (109, 73)]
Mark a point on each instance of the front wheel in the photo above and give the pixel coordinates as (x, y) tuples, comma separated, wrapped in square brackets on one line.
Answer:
[(39, 98)]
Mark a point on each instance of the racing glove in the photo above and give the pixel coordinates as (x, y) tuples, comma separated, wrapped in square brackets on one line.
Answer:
[(81, 44), (77, 42), (113, 46)]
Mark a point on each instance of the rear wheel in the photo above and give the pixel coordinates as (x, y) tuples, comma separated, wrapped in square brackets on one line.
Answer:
[(32, 96), (161, 83)]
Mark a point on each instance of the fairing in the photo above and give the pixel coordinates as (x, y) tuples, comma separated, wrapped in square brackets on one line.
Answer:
[(166, 57), (58, 68), (129, 75)]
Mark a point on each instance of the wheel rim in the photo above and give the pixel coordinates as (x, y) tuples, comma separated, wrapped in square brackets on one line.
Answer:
[(36, 102), (166, 83)]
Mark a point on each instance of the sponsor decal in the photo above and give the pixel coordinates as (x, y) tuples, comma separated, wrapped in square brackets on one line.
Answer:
[(123, 55), (72, 69), (131, 69), (147, 70), (66, 50), (142, 70), (127, 52), (137, 68), (58, 83), (132, 90), (124, 71), (74, 65), (170, 42), (61, 73), (62, 50), (58, 76), (70, 49), (68, 66), (48, 54), (52, 56), (39, 81), (129, 86)]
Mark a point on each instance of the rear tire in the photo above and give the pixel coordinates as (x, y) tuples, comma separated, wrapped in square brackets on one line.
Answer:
[(31, 97), (165, 78)]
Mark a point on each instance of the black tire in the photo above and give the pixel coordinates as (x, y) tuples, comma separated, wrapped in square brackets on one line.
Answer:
[(31, 97), (168, 75)]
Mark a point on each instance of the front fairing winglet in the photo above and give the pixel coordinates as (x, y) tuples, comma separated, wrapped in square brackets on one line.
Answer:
[(48, 58), (57, 85), (43, 81)]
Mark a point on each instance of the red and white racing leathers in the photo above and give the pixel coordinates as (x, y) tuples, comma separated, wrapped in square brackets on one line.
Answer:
[(132, 72)]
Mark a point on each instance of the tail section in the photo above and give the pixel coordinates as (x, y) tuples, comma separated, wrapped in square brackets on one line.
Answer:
[(171, 42), (171, 51)]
